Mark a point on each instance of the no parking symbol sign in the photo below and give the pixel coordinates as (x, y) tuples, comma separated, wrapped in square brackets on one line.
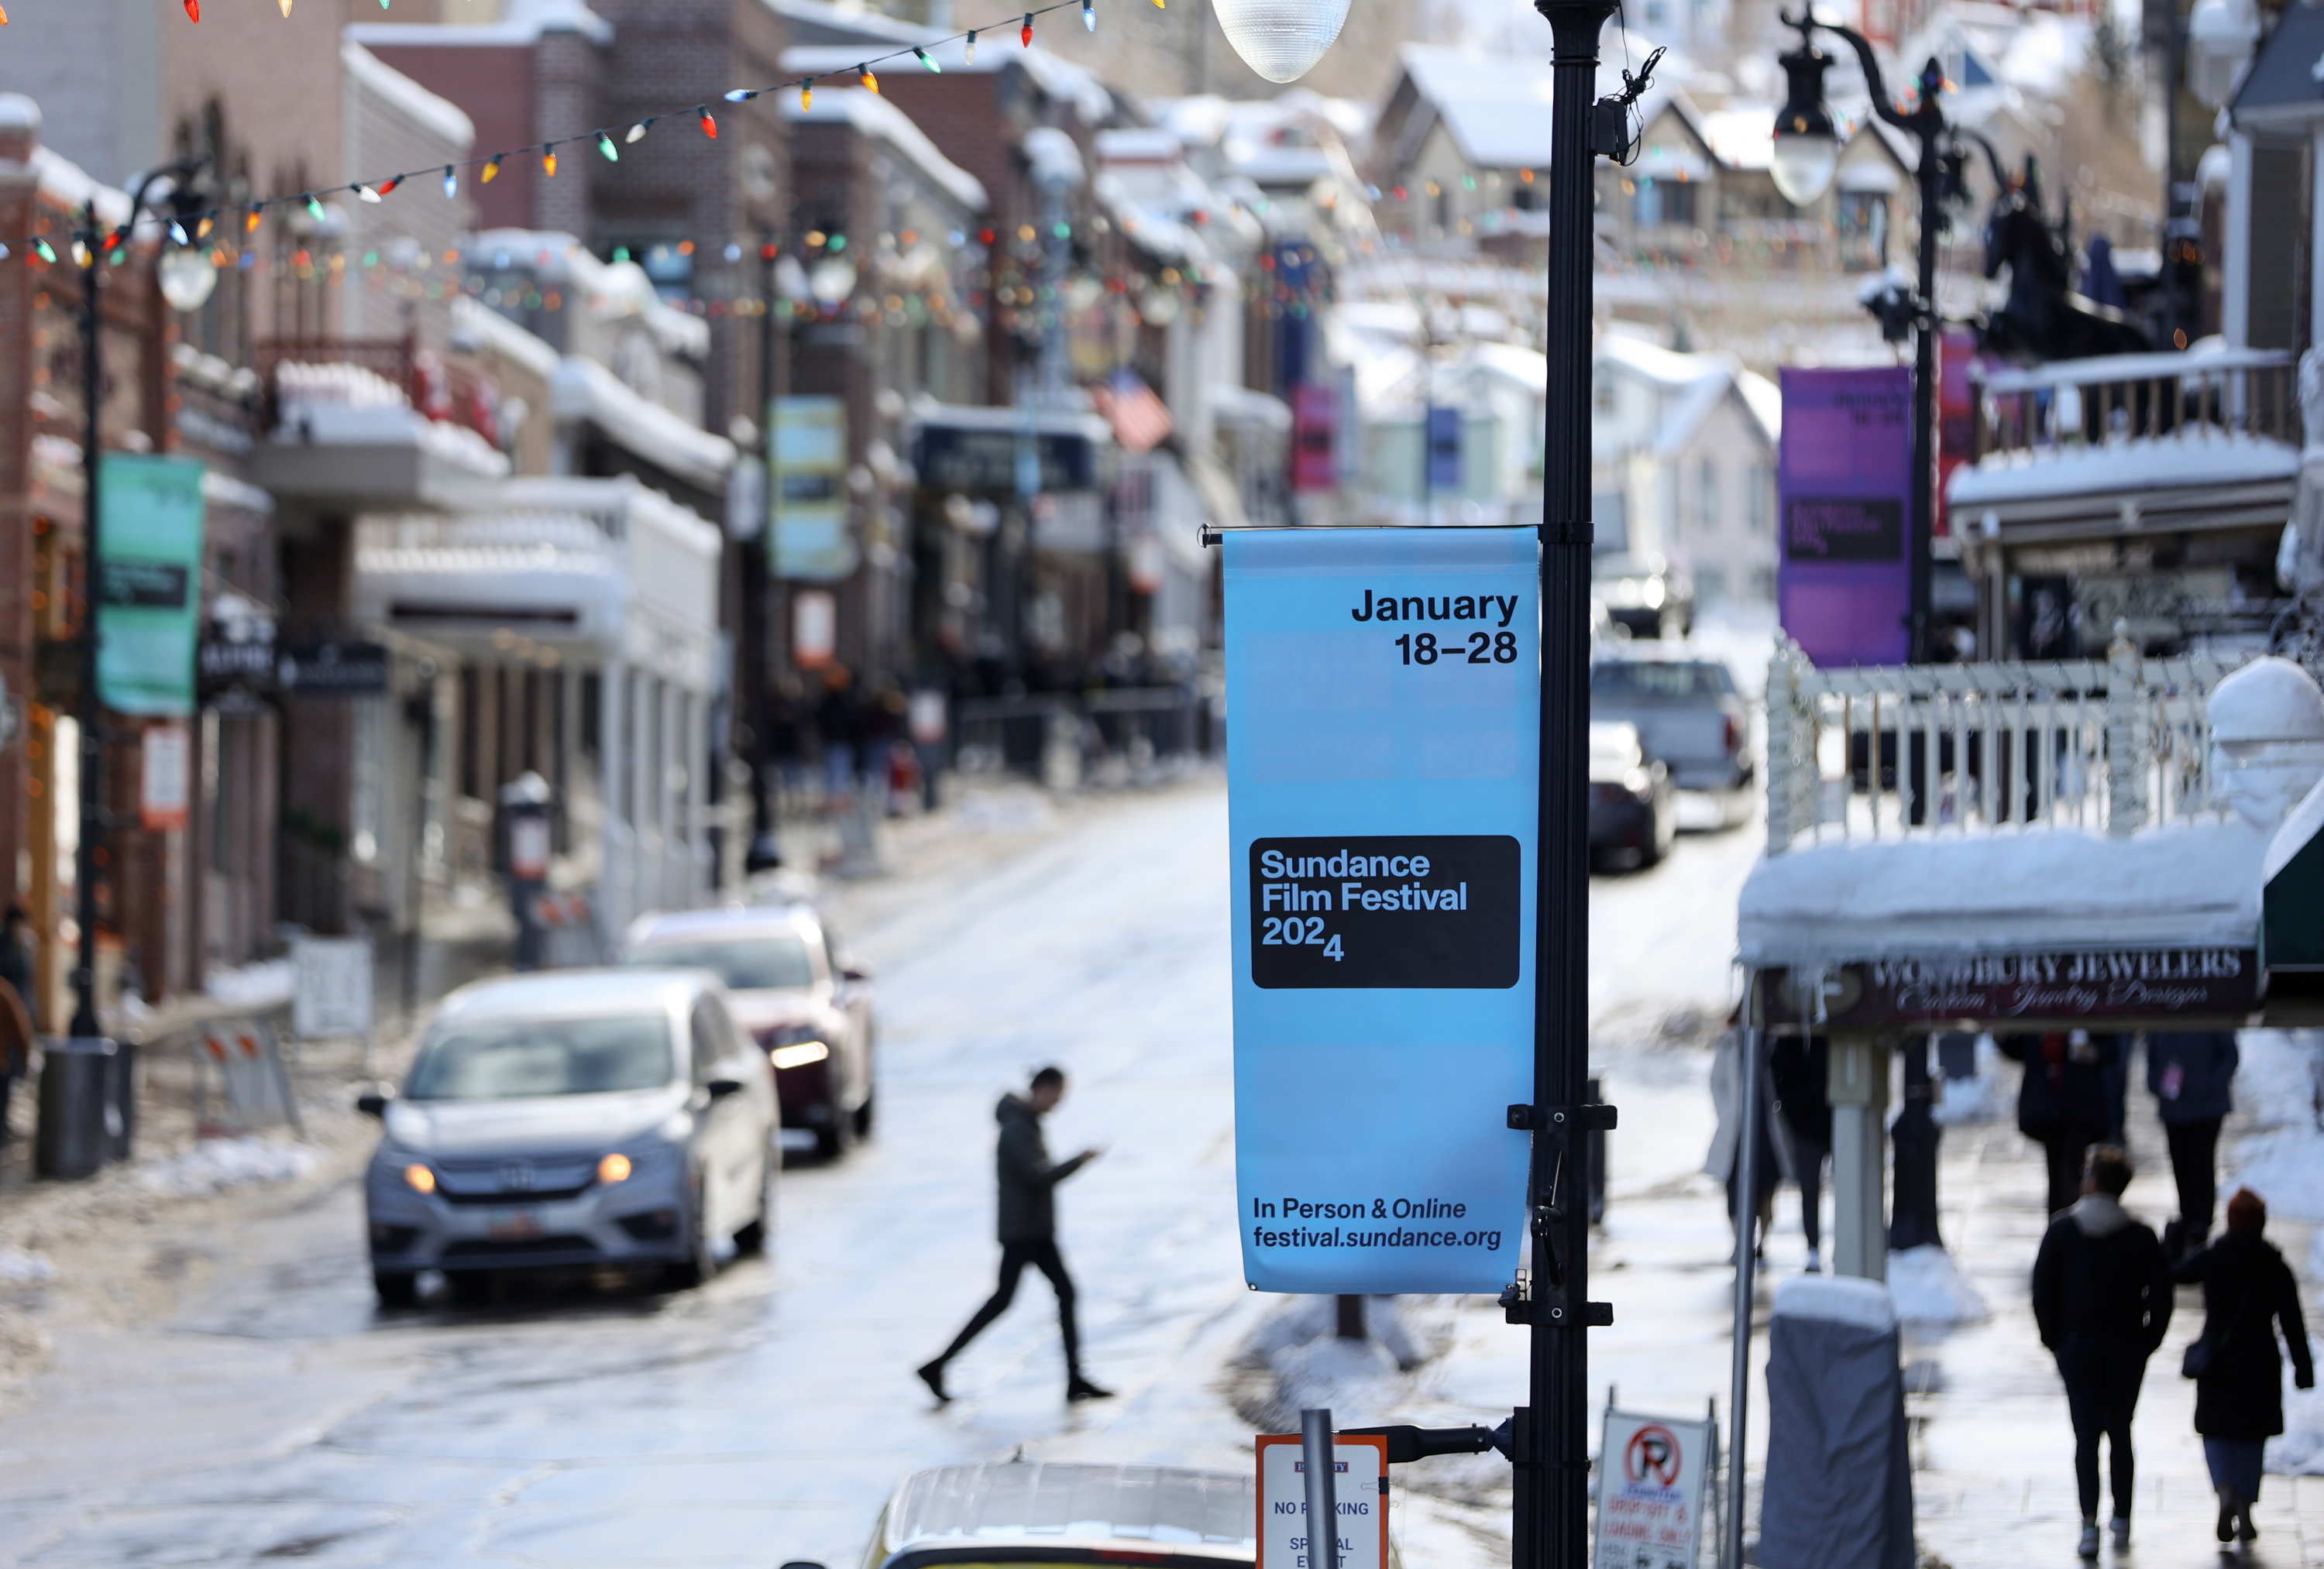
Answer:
[(1650, 1477)]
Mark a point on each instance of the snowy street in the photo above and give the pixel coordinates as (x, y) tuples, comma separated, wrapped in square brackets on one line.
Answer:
[(272, 1412)]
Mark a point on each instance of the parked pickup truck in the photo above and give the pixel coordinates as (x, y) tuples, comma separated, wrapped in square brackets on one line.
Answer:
[(1686, 709)]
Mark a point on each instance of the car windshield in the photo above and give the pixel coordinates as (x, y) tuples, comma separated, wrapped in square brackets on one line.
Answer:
[(509, 1059), (765, 962), (1659, 678)]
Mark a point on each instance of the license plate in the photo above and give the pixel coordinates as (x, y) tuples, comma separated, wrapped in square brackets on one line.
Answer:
[(513, 1225)]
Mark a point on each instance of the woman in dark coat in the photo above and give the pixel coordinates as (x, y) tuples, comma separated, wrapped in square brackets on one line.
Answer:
[(2247, 1291)]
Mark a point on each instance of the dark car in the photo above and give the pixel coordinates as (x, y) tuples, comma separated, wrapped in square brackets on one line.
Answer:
[(1631, 810), (796, 995)]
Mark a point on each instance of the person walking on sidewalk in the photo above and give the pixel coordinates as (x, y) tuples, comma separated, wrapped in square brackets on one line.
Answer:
[(1800, 1067), (1724, 1162), (1029, 1229), (2192, 1074), (2102, 1302), (2063, 1104), (2248, 1291)]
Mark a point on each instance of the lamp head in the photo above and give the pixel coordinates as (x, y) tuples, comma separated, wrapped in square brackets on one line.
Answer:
[(1807, 143)]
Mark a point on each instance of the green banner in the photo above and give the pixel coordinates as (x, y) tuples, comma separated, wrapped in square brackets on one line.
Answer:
[(807, 492), (150, 583)]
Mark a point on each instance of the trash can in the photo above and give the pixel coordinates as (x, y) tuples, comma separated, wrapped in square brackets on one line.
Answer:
[(78, 1114), (1838, 1489)]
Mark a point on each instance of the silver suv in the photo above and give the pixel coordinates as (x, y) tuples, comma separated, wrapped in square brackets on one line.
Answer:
[(580, 1119)]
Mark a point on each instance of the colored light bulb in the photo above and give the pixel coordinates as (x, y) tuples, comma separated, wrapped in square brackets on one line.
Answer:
[(968, 54), (1089, 16), (365, 193), (387, 186), (492, 170), (41, 248), (177, 233), (1025, 33), (250, 221), (549, 163), (637, 132), (314, 209), (864, 73), (807, 96), (709, 126), (194, 9), (741, 95), (451, 182), (922, 56), (606, 145)]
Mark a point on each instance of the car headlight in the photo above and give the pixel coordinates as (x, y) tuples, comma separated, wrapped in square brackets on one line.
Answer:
[(419, 1177), (1653, 593), (613, 1167), (799, 1053)]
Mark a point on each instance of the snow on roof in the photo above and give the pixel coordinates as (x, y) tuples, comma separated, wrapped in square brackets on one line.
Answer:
[(614, 289), (1060, 80), (431, 113), (1764, 400), (2184, 461), (814, 16), (67, 184), (1496, 107), (522, 21), (2193, 882), (474, 319), (1140, 144), (585, 390), (875, 117)]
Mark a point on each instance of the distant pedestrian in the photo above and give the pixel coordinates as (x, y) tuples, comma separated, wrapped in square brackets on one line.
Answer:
[(2102, 1302), (1800, 1067), (1724, 1161), (1028, 1228), (2064, 1102), (2248, 1291), (16, 1017), (2192, 1074)]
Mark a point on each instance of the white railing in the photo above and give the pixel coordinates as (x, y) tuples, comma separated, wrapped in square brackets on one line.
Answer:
[(2121, 398), (1894, 751)]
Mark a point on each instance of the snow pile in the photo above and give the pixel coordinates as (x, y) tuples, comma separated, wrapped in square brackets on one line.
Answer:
[(2277, 1075), (2286, 1167), (999, 811), (1354, 1380), (1983, 1099), (1928, 1288), (252, 985), (2300, 1451), (19, 1268), (220, 1164)]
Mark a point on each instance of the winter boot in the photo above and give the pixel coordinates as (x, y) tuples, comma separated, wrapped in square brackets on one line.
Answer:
[(931, 1374), (2245, 1531), (1079, 1388), (2227, 1511), (2119, 1527), (2089, 1547)]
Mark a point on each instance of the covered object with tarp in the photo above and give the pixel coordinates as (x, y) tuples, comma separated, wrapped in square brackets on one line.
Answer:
[(1839, 1491)]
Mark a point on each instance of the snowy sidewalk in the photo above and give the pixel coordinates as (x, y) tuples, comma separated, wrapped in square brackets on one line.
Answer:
[(1993, 1481)]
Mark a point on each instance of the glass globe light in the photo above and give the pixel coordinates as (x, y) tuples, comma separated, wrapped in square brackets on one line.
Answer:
[(1807, 144), (1281, 40), (186, 278)]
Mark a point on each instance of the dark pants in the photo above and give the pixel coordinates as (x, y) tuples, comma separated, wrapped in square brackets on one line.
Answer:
[(1014, 1256), (2068, 1149), (2194, 1147), (2102, 1380), (1807, 1160)]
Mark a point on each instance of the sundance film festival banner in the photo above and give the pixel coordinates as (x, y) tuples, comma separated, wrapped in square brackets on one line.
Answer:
[(150, 575), (1383, 744)]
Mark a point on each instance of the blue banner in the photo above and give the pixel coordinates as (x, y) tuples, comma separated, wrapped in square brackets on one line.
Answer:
[(1383, 744)]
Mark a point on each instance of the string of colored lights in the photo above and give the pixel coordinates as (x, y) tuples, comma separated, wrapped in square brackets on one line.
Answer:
[(111, 240)]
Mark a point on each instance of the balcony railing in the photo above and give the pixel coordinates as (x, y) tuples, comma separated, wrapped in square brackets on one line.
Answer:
[(1900, 751), (2122, 398)]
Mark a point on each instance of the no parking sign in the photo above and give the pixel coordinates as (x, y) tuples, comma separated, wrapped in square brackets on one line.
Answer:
[(1650, 1477), (1383, 743)]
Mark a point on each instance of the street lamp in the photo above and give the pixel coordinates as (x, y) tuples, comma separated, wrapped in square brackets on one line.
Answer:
[(1807, 143), (187, 276)]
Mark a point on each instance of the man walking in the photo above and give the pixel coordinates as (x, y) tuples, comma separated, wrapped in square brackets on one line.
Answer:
[(1028, 1228), (2102, 1301), (2192, 1074), (2064, 1101)]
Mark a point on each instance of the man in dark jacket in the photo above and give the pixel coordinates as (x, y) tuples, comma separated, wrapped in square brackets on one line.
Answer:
[(2064, 1102), (1028, 1228), (2102, 1301), (1801, 1069), (2192, 1074)]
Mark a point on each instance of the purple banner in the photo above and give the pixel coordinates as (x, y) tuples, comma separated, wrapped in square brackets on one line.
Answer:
[(1844, 485)]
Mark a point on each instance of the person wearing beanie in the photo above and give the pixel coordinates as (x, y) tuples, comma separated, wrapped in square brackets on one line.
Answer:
[(2102, 1302), (2248, 1294)]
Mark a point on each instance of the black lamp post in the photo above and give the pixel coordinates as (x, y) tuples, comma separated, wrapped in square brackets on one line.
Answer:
[(1806, 156)]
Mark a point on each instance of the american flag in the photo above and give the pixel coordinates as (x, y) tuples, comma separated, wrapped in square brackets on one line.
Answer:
[(1139, 418)]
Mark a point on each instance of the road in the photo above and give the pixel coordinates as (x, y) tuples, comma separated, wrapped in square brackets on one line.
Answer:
[(275, 1414)]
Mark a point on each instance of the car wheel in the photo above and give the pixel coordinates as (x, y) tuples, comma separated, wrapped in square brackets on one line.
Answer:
[(470, 1287), (863, 1119), (836, 1136), (754, 1237), (699, 1263), (396, 1288)]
